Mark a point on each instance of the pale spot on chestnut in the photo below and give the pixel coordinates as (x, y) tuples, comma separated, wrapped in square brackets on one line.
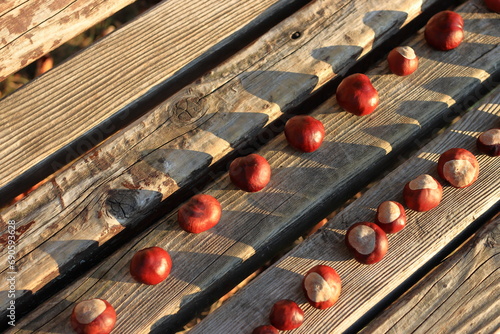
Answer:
[(424, 181), (318, 290), (490, 137), (460, 173), (362, 239), (88, 310), (407, 52), (388, 212)]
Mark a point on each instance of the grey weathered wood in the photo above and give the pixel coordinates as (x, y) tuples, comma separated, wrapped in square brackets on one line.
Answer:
[(85, 91), (112, 187), (462, 295), (30, 29), (363, 286), (300, 183)]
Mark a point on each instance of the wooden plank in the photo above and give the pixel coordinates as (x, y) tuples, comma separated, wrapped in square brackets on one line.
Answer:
[(251, 223), (363, 286), (110, 75), (114, 186), (461, 295), (30, 29)]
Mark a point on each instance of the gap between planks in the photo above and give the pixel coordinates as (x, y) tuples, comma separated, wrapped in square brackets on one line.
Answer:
[(245, 211)]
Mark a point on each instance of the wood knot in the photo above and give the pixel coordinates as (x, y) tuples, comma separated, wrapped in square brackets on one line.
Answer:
[(188, 109)]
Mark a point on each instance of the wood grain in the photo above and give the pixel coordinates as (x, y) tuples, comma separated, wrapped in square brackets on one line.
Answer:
[(110, 75), (115, 185), (300, 184), (461, 295), (363, 286), (30, 29)]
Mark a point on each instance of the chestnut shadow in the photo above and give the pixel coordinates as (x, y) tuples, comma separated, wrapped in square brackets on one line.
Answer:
[(468, 27), (451, 86), (62, 306), (178, 164), (378, 20), (392, 132), (418, 110), (127, 204), (338, 56), (328, 242), (286, 89), (469, 54)]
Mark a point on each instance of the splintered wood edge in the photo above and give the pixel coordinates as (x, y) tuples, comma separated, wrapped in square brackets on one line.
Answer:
[(79, 95), (458, 296), (128, 167), (364, 285), (117, 264)]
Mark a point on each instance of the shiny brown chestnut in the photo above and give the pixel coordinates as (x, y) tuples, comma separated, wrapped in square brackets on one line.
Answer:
[(286, 315), (93, 316), (304, 133), (357, 95), (250, 173), (493, 5), (402, 60), (489, 142), (445, 30), (266, 329), (321, 286), (423, 193), (391, 216), (459, 167), (150, 265), (367, 242), (200, 213)]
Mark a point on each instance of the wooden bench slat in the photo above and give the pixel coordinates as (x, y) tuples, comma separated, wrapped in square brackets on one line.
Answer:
[(300, 183), (85, 91), (161, 151), (460, 296), (363, 286), (31, 29)]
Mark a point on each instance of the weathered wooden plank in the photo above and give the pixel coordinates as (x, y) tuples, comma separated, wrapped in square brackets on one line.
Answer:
[(67, 219), (363, 286), (85, 91), (30, 29), (461, 295), (300, 183)]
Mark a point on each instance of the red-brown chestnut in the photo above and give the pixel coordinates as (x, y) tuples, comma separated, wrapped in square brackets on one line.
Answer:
[(493, 5), (150, 265), (250, 173), (367, 242), (357, 95), (200, 213), (93, 316), (402, 60), (266, 329), (321, 286), (489, 142), (391, 216), (304, 133), (423, 193), (445, 30), (286, 315), (459, 167)]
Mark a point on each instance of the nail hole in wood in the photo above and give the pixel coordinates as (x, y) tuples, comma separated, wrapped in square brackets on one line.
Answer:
[(296, 35)]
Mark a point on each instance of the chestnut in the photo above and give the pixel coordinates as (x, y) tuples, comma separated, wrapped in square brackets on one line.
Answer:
[(423, 193), (357, 95), (304, 133), (93, 316), (391, 216), (459, 167), (250, 173), (402, 60), (367, 242), (286, 315), (445, 30), (321, 286), (493, 5), (266, 329), (489, 142), (150, 265), (200, 213)]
